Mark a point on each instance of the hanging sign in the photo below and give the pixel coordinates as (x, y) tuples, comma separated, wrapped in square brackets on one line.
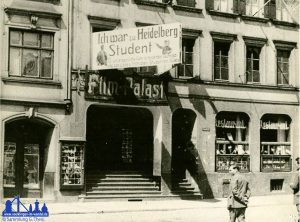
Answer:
[(137, 47)]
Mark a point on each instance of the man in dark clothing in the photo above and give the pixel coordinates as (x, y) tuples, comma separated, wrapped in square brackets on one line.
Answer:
[(295, 186), (238, 195)]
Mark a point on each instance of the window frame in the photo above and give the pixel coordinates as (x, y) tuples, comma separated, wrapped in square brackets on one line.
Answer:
[(250, 70), (280, 65), (221, 57), (38, 48)]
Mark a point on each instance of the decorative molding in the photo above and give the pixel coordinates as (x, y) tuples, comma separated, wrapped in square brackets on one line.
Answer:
[(191, 33), (187, 9), (223, 14), (255, 19), (151, 3), (215, 98), (284, 23), (284, 45), (142, 24), (254, 41), (32, 81), (109, 23), (33, 103), (26, 12), (227, 37)]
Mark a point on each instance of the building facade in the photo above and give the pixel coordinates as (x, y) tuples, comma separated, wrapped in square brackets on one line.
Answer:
[(158, 131)]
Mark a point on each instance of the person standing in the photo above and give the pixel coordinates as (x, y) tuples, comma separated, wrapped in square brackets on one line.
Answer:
[(239, 193), (295, 187)]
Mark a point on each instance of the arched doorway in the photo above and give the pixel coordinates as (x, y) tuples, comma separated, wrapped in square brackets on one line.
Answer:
[(119, 138), (25, 155), (183, 122)]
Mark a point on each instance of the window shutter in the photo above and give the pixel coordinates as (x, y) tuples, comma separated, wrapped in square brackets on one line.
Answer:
[(210, 4)]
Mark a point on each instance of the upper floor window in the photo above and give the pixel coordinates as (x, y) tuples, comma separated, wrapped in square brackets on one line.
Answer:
[(223, 5), (283, 67), (270, 9), (252, 7), (252, 67), (185, 69), (188, 3), (221, 67), (286, 9), (31, 54)]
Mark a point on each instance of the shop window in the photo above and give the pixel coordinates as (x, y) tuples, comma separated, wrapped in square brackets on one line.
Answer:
[(253, 75), (185, 69), (223, 5), (31, 165), (221, 67), (9, 174), (283, 67), (232, 146), (270, 9), (275, 143), (31, 54)]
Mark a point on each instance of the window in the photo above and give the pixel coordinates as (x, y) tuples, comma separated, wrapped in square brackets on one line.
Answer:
[(188, 3), (223, 5), (232, 146), (283, 67), (276, 185), (252, 74), (221, 61), (285, 10), (252, 7), (31, 54), (185, 69), (270, 9), (275, 143)]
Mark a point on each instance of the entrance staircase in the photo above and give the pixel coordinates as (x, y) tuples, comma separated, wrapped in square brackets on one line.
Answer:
[(120, 184), (185, 188)]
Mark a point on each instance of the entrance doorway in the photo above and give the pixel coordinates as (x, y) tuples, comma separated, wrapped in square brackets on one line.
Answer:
[(119, 138), (183, 121), (25, 157)]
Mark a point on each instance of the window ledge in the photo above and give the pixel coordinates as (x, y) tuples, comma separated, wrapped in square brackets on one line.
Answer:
[(284, 23), (187, 8), (255, 19), (32, 81), (223, 14), (151, 3)]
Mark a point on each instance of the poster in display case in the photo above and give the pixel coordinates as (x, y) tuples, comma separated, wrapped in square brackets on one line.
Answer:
[(72, 165)]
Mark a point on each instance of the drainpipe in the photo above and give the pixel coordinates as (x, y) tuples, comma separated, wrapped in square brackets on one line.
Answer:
[(68, 99)]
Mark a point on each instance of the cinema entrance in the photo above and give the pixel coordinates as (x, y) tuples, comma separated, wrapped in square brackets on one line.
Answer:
[(119, 139)]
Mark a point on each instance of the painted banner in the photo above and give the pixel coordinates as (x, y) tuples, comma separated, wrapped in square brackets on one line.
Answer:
[(137, 47)]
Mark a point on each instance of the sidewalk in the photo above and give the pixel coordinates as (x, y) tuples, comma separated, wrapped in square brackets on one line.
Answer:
[(158, 205)]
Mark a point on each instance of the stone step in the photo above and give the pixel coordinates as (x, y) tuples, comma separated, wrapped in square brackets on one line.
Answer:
[(121, 192), (117, 188), (122, 183)]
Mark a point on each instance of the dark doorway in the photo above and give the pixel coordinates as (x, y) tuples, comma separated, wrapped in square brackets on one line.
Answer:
[(24, 157), (119, 138), (183, 121)]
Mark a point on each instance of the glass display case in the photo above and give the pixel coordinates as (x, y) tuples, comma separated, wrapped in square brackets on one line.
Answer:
[(72, 165)]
